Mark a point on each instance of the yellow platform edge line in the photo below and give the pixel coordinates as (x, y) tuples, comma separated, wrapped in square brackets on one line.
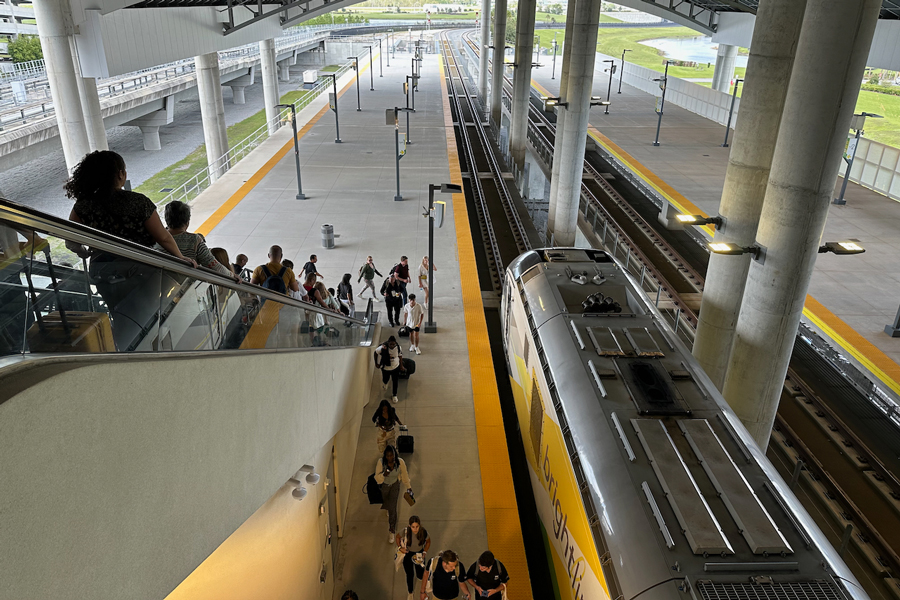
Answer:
[(864, 351), (503, 532), (235, 199)]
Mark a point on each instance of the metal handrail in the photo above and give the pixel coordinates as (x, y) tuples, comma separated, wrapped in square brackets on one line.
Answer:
[(30, 218)]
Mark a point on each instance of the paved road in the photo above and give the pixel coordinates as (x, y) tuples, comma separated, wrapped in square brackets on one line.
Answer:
[(39, 182)]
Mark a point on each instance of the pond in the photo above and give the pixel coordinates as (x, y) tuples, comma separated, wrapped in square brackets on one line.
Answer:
[(699, 49)]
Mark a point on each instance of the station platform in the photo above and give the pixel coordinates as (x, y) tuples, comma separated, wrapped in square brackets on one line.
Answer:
[(850, 300), (460, 470)]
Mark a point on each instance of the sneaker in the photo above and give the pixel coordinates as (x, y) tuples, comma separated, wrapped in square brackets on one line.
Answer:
[(391, 539), (412, 347), (395, 399), (410, 596), (418, 351), (359, 295), (392, 325), (384, 386)]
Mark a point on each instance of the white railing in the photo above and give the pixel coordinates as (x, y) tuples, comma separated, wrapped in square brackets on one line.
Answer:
[(192, 188), (877, 167)]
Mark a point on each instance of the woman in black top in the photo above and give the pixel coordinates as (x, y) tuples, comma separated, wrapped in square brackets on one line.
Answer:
[(345, 295), (101, 203), (387, 421)]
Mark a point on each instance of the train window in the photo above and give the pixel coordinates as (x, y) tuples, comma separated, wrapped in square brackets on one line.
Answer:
[(537, 419)]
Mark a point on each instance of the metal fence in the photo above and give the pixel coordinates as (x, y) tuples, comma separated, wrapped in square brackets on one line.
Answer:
[(877, 167), (195, 185)]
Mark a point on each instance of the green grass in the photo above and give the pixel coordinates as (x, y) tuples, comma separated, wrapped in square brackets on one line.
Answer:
[(540, 17), (179, 173), (886, 130), (613, 40)]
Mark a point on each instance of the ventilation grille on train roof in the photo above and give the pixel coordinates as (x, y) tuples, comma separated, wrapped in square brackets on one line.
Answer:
[(804, 590)]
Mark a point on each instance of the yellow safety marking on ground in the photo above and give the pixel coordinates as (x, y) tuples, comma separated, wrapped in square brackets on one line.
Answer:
[(504, 531), (876, 361), (263, 326), (254, 180)]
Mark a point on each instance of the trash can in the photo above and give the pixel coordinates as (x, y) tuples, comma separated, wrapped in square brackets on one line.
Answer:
[(327, 236)]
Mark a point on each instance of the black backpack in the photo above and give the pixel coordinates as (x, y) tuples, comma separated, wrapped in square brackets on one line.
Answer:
[(274, 282)]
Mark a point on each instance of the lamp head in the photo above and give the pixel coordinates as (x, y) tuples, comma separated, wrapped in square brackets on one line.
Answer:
[(451, 188), (730, 249), (842, 248)]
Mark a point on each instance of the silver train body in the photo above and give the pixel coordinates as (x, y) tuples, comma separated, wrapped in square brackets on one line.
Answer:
[(646, 483)]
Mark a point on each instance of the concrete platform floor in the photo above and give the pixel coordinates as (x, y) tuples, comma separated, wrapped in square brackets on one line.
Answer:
[(861, 291)]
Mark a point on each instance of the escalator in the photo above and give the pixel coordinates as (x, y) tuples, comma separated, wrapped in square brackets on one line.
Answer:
[(67, 288)]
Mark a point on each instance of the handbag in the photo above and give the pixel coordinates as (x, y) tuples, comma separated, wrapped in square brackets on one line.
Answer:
[(408, 496), (373, 491), (403, 331), (399, 556)]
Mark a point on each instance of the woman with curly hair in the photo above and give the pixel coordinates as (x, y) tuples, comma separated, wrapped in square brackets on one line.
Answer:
[(101, 203)]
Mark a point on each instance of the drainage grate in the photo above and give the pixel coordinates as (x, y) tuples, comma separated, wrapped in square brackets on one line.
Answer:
[(804, 590), (166, 190)]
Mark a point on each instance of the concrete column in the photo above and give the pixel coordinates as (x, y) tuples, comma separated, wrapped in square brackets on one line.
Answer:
[(54, 21), (212, 111), (284, 70), (271, 96), (151, 122), (831, 57), (518, 130), (90, 104), (724, 72), (483, 74), (560, 119), (578, 96), (497, 61), (762, 102)]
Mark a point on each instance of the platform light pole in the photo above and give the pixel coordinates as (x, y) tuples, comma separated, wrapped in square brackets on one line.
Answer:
[(410, 88), (380, 54), (371, 70), (737, 82), (355, 60), (396, 122), (662, 101), (858, 123), (612, 70), (444, 188), (300, 194), (622, 72), (333, 103), (553, 71)]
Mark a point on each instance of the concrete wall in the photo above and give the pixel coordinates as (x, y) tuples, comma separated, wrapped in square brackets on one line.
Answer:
[(121, 476)]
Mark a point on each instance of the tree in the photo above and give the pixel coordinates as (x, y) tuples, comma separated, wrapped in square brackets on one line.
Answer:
[(25, 48), (874, 79)]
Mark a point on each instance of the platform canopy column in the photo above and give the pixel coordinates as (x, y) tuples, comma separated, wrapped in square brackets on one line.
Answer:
[(90, 105), (762, 102), (54, 22), (212, 111), (518, 131), (724, 71), (483, 73), (831, 58), (271, 95), (497, 61), (560, 119)]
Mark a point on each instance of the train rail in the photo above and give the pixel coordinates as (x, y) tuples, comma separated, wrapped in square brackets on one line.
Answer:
[(856, 494)]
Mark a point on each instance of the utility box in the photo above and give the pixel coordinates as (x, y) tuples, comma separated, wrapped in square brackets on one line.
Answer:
[(310, 78)]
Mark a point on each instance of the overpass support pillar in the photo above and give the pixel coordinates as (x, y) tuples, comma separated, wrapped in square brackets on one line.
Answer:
[(762, 104), (724, 71), (270, 82), (237, 86), (831, 57), (150, 123), (54, 21), (560, 119), (284, 69), (483, 73), (497, 60), (212, 112), (518, 130), (90, 105), (568, 153)]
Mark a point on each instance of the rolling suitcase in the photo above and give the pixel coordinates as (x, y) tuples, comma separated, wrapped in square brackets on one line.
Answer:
[(409, 366), (405, 442), (67, 331)]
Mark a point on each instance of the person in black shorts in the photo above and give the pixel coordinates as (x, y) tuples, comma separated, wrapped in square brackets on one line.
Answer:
[(488, 576), (448, 577)]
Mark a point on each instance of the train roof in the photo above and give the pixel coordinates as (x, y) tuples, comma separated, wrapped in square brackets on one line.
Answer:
[(659, 451)]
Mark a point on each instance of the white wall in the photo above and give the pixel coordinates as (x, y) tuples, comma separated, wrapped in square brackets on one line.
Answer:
[(121, 477)]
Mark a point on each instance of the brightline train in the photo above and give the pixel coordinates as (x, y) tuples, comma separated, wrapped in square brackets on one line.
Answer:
[(646, 483)]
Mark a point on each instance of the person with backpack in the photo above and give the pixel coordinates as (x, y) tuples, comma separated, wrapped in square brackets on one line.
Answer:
[(392, 476), (274, 275), (389, 359), (393, 298), (368, 272), (446, 576), (487, 576), (401, 269), (412, 545)]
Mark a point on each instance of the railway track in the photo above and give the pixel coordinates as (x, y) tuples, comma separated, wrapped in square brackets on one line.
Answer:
[(852, 493)]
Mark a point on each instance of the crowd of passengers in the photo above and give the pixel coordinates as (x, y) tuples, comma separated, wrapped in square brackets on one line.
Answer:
[(101, 201)]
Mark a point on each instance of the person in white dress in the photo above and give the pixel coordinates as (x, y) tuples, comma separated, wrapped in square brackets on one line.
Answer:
[(423, 277), (413, 315)]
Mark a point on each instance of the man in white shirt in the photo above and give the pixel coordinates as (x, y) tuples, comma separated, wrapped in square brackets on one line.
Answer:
[(413, 315)]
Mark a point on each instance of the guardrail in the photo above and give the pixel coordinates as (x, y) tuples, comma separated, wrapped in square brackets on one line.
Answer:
[(195, 185), (877, 167)]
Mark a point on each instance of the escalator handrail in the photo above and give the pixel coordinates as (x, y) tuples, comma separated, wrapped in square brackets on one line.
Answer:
[(30, 218)]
